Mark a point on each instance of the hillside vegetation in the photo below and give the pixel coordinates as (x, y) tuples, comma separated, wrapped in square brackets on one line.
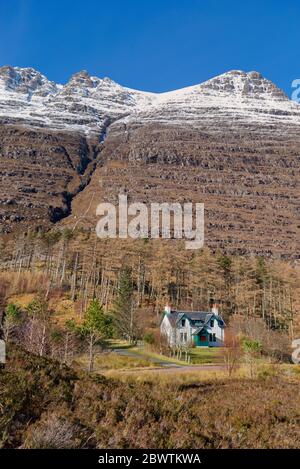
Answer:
[(46, 404)]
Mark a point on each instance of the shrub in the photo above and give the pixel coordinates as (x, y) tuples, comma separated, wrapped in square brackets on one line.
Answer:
[(51, 432), (149, 338), (252, 349)]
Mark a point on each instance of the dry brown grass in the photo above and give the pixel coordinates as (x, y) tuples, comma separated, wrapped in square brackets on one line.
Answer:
[(288, 373), (166, 376), (26, 282), (110, 362)]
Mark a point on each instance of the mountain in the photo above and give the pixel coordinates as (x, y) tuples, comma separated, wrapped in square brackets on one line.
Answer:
[(237, 94), (232, 142), (86, 104)]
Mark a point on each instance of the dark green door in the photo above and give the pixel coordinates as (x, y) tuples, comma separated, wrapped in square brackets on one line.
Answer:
[(201, 340)]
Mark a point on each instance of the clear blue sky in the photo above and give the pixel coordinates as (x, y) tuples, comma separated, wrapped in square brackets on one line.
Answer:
[(153, 45)]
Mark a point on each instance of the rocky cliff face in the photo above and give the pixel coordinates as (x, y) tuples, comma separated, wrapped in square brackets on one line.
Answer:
[(247, 179), (232, 142), (40, 172)]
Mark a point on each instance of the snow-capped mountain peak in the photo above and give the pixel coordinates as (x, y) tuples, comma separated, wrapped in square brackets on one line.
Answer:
[(87, 103), (244, 84), (26, 81)]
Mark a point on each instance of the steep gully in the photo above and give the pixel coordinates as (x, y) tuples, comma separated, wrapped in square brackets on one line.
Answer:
[(57, 213)]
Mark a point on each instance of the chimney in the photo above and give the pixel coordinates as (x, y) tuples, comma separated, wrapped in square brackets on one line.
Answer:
[(167, 309), (214, 309)]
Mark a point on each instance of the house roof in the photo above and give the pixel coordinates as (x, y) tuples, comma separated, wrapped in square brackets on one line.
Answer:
[(203, 317), (198, 330)]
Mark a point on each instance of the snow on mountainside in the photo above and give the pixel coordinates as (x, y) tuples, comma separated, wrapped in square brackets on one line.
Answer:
[(25, 81), (236, 95), (84, 104), (87, 104)]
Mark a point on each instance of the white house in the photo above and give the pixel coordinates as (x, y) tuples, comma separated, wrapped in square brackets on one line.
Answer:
[(184, 328)]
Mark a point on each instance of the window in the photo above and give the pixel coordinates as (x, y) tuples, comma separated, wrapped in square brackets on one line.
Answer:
[(185, 337), (183, 322), (214, 338), (210, 337), (181, 336), (212, 323)]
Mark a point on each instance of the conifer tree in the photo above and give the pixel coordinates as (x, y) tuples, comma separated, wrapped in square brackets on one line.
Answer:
[(124, 310), (12, 318), (95, 329)]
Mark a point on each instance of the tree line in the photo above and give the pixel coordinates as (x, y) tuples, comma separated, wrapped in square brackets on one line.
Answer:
[(162, 271)]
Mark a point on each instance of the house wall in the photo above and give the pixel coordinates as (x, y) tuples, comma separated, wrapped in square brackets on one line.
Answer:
[(219, 331), (166, 330), (174, 334)]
